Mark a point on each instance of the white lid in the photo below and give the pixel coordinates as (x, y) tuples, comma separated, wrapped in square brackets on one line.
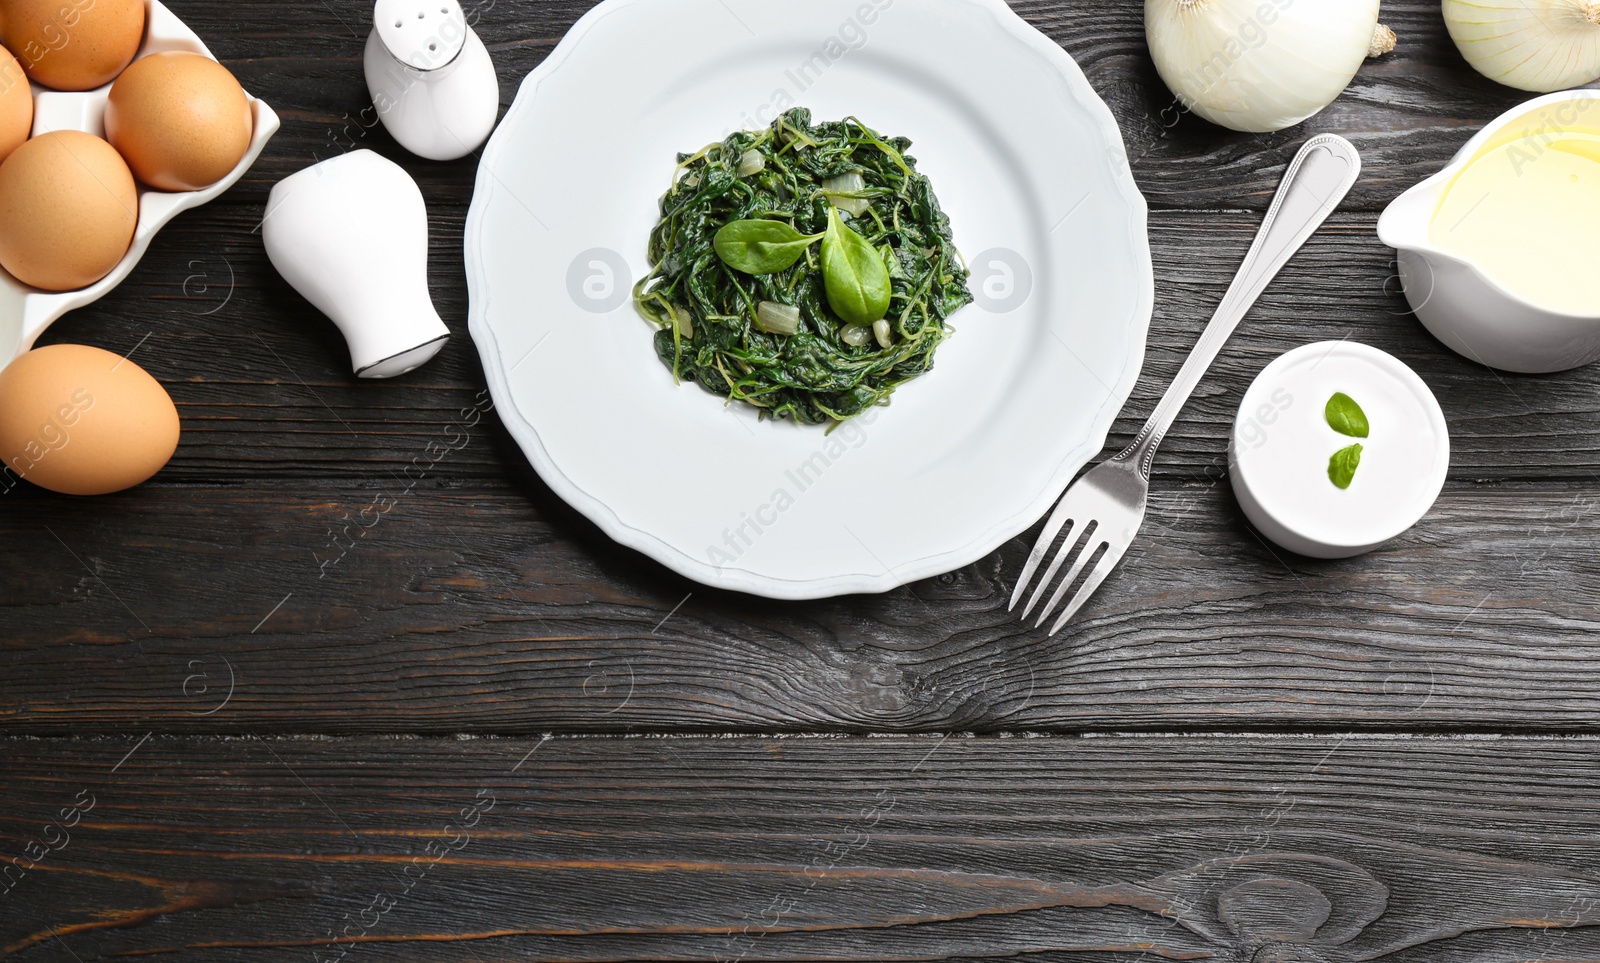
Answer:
[(1282, 444), (423, 34)]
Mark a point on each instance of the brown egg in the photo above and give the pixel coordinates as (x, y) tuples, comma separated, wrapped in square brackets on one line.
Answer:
[(73, 44), (16, 105), (68, 208), (82, 421), (181, 120)]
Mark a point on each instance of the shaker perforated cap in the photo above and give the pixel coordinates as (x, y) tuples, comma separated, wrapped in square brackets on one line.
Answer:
[(423, 34)]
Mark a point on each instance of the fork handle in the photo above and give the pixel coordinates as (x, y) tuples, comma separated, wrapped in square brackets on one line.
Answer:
[(1317, 180)]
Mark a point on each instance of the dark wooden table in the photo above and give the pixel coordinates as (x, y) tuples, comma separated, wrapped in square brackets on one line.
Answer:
[(488, 733)]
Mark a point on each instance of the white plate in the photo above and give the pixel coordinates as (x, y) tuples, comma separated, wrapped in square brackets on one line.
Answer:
[(25, 312), (1027, 161)]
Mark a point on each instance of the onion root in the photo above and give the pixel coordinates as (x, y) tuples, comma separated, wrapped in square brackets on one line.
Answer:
[(1384, 40)]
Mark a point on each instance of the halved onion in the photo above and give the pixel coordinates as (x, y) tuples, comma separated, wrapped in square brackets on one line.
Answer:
[(775, 318)]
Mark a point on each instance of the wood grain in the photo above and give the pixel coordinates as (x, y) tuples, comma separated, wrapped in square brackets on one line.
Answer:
[(242, 718), (501, 611), (1257, 848)]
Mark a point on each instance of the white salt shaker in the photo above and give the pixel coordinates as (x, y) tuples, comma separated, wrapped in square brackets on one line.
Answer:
[(431, 78), (351, 235)]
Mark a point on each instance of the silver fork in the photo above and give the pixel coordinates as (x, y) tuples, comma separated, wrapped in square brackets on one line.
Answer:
[(1104, 509)]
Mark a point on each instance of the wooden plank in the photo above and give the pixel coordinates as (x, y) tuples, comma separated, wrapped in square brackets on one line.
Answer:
[(264, 387), (1267, 848), (1407, 112), (502, 611)]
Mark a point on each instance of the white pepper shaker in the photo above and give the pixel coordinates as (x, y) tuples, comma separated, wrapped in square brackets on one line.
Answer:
[(351, 235), (431, 78)]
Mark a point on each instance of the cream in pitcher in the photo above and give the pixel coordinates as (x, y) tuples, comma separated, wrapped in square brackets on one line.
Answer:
[(1498, 250), (1528, 214)]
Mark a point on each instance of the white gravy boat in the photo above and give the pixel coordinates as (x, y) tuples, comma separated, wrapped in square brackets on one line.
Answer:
[(1465, 308)]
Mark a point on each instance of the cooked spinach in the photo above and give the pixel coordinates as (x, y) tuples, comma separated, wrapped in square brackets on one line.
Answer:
[(894, 262)]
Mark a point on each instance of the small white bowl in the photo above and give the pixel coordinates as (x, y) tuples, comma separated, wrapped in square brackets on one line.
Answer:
[(1473, 314), (1278, 456), (25, 312)]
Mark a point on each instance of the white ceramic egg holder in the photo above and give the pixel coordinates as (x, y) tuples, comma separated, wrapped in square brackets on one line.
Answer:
[(25, 312)]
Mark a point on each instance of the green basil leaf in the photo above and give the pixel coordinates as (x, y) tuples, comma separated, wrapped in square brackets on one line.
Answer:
[(761, 247), (1342, 466), (1346, 417), (854, 274)]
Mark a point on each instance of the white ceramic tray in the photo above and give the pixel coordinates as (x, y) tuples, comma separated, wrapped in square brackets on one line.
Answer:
[(25, 312), (1027, 161)]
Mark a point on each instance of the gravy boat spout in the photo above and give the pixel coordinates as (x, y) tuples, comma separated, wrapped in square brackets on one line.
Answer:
[(1454, 298)]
